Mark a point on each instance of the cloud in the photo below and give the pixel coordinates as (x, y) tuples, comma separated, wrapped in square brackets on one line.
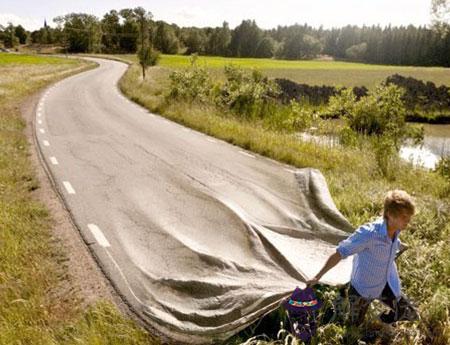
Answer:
[(28, 23), (186, 14)]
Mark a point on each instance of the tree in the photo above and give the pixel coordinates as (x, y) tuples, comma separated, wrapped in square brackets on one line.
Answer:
[(219, 40), (300, 46), (130, 31), (440, 12), (165, 39), (266, 47), (356, 52), (195, 40), (2, 29), (111, 30), (10, 39), (21, 34), (147, 56), (82, 32), (245, 39), (224, 39)]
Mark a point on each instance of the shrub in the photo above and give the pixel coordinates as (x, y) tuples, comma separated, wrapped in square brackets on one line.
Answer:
[(303, 118), (294, 117), (443, 167), (378, 117), (147, 57), (248, 93), (191, 84)]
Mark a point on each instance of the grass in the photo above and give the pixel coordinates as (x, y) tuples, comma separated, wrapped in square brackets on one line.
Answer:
[(33, 307), (357, 187), (336, 73), (18, 59)]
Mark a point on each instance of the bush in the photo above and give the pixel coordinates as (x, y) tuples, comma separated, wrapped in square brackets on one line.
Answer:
[(291, 118), (303, 118), (147, 57), (191, 84), (250, 94), (443, 167), (378, 117)]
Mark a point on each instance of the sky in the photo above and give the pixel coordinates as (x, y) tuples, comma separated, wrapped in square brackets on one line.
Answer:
[(268, 14)]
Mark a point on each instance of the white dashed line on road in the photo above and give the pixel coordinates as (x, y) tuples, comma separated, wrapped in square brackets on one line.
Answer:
[(46, 143), (41, 130), (247, 154), (69, 187), (40, 122), (53, 160), (98, 234)]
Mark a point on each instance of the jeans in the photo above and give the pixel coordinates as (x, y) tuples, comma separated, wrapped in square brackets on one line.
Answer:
[(401, 310)]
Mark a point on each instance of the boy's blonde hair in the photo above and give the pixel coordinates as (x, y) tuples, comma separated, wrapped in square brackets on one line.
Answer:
[(398, 201)]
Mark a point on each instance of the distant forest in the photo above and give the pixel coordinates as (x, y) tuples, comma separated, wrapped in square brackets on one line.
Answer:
[(119, 32)]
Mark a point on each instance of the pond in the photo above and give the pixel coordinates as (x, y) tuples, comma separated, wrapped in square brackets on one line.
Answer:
[(436, 145)]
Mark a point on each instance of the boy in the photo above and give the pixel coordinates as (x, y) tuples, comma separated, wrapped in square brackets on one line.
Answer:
[(374, 274)]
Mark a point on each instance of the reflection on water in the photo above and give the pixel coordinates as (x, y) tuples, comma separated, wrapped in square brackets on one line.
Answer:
[(419, 156), (436, 145)]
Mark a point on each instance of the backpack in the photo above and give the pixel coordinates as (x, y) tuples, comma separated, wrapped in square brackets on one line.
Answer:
[(302, 308)]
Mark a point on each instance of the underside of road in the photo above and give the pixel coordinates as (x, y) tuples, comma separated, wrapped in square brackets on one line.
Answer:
[(198, 236)]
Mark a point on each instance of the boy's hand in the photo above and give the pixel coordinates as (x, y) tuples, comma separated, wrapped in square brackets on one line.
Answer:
[(312, 282)]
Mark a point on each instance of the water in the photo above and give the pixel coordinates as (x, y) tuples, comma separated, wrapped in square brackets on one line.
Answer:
[(436, 145)]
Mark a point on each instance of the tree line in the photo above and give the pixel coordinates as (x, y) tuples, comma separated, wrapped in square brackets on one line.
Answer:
[(119, 32)]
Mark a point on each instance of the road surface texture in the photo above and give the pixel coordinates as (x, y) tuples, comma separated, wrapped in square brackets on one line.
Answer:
[(200, 237)]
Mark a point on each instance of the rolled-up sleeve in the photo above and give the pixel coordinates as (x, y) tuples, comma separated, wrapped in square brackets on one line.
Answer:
[(355, 243)]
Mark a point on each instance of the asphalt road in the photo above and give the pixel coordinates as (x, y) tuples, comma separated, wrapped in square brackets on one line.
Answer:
[(199, 236)]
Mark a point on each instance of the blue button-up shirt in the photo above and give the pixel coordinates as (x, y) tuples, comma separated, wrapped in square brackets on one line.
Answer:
[(373, 264)]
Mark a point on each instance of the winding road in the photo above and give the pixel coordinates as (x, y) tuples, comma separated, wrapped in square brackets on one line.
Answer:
[(200, 237)]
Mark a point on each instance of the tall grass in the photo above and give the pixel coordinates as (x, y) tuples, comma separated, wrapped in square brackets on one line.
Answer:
[(357, 187), (33, 308)]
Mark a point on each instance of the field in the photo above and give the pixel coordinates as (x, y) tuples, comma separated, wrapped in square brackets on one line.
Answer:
[(311, 72), (38, 303), (12, 59)]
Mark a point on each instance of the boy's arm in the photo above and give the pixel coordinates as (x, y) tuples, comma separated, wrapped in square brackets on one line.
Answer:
[(332, 261), (356, 243)]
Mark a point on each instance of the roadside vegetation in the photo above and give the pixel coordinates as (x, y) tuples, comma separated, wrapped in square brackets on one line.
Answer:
[(426, 97), (241, 108), (34, 309)]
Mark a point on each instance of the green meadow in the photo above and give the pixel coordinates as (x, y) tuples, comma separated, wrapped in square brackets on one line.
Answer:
[(335, 73), (19, 59)]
